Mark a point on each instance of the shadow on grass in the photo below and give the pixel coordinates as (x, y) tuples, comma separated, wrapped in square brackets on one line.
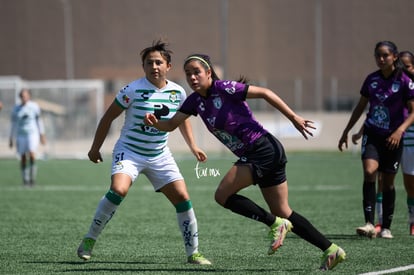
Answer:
[(91, 267)]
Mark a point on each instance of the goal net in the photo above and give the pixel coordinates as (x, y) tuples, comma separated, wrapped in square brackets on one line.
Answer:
[(71, 110)]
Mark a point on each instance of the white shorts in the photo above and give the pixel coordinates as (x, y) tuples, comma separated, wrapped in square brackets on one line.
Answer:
[(407, 160), (160, 170), (26, 144)]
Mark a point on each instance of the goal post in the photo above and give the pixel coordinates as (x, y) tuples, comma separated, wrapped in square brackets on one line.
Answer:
[(71, 110)]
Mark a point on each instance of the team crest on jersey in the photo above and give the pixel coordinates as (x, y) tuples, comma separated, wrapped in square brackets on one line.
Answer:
[(125, 98), (217, 102), (374, 85), (395, 87), (173, 96)]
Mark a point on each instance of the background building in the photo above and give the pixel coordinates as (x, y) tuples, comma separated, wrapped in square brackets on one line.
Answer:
[(314, 53)]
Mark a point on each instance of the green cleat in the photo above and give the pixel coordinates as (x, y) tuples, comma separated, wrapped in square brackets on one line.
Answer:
[(278, 233), (197, 258), (85, 248), (331, 257)]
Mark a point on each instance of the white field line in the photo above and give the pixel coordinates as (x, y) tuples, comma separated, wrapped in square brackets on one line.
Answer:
[(389, 271), (199, 186)]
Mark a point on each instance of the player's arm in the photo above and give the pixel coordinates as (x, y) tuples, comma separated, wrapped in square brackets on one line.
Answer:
[(187, 133), (13, 129), (102, 130), (168, 125), (301, 124), (395, 138), (356, 114)]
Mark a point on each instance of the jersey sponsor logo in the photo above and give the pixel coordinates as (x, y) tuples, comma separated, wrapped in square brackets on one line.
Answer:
[(201, 106), (125, 99), (411, 85), (161, 110), (380, 117), (118, 166), (395, 86), (211, 121), (144, 94), (149, 129)]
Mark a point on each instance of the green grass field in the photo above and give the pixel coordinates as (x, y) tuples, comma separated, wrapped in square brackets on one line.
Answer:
[(41, 227)]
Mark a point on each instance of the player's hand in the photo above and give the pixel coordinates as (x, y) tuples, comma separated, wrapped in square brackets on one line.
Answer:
[(43, 139), (150, 119), (199, 154), (343, 140), (355, 138), (304, 126), (95, 156), (393, 141)]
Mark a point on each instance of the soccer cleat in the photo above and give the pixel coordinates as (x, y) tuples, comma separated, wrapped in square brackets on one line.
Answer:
[(368, 230), (412, 229), (197, 258), (332, 256), (386, 234), (378, 228), (277, 234), (85, 248)]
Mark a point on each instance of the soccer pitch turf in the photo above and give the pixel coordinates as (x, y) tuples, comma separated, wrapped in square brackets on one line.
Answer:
[(41, 227)]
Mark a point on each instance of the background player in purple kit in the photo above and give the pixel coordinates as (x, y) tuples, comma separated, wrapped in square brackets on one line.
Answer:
[(388, 91), (222, 106)]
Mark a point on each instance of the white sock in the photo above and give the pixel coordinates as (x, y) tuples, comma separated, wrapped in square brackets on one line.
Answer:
[(33, 172), (188, 226), (26, 174), (103, 214)]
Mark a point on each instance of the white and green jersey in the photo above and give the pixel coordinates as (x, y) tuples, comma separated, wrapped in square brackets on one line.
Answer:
[(409, 137), (138, 98), (26, 121)]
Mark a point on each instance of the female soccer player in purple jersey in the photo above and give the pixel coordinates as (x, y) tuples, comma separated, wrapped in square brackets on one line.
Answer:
[(388, 91), (222, 106)]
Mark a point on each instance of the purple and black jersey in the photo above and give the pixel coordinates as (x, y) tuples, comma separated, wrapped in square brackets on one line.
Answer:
[(387, 101), (226, 114)]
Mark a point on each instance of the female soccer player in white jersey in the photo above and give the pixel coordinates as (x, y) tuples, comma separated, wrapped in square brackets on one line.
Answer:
[(407, 159), (27, 129), (143, 150)]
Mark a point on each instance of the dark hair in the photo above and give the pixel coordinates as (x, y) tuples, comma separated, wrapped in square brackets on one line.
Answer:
[(407, 53), (23, 90), (411, 56), (399, 66), (205, 61), (157, 46), (391, 45)]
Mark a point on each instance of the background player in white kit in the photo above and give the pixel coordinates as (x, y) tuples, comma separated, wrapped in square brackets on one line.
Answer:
[(143, 150), (27, 130)]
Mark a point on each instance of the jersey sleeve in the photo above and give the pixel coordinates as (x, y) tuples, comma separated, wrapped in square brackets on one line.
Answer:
[(364, 89), (189, 105), (124, 97)]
